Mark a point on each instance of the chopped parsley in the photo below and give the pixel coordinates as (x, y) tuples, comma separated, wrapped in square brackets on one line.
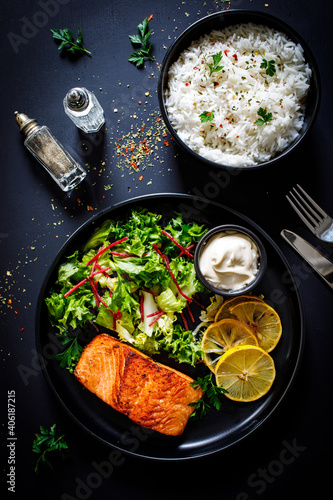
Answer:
[(215, 66), (66, 37), (207, 116), (211, 397), (269, 66), (264, 117), (143, 53), (47, 443)]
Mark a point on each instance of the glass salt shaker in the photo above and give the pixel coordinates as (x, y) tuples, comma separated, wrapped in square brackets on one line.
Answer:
[(52, 155), (84, 110)]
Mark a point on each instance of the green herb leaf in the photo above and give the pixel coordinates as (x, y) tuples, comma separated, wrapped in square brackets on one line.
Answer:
[(71, 355), (265, 117), (268, 65), (67, 38), (215, 67), (46, 443), (211, 397), (138, 57), (207, 116)]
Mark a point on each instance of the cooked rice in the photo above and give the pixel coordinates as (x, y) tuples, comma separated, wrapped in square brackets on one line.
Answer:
[(235, 94)]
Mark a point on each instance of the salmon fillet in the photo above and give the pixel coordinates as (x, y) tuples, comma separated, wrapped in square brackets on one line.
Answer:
[(149, 393)]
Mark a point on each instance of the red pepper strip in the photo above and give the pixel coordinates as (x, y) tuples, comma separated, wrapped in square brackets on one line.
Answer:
[(196, 301), (165, 259), (190, 312), (76, 287), (142, 311), (102, 250), (184, 321), (154, 314), (125, 255), (157, 318), (94, 290), (187, 248), (183, 249), (116, 316), (101, 271)]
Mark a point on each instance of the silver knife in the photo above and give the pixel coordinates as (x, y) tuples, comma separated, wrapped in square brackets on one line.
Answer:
[(316, 259)]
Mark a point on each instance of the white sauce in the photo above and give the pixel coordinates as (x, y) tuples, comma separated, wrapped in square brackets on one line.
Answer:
[(229, 260)]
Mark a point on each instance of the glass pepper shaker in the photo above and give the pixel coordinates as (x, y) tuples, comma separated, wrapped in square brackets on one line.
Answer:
[(84, 110), (58, 162)]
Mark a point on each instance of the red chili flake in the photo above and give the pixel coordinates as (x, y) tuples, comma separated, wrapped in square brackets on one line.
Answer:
[(141, 177), (166, 143), (237, 136), (221, 125), (90, 207), (158, 119), (235, 57), (226, 51), (187, 84), (227, 118), (194, 67), (150, 17), (21, 329), (133, 164), (139, 102)]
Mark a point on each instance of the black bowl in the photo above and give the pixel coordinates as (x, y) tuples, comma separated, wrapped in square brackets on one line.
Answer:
[(219, 21), (262, 260)]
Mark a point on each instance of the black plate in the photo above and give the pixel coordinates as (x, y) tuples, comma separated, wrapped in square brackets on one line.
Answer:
[(217, 430)]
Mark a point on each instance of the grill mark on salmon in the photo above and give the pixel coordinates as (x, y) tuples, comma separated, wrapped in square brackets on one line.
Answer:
[(149, 393)]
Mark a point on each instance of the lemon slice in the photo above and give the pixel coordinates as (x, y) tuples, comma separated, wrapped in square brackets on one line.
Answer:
[(224, 310), (223, 335), (263, 319), (246, 372)]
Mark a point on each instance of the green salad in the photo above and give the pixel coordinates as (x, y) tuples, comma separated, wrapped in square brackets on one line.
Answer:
[(135, 277)]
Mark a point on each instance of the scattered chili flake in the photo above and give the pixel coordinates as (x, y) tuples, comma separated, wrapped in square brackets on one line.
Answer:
[(226, 51), (195, 67), (141, 177), (166, 143), (150, 17), (139, 102), (235, 57), (21, 329)]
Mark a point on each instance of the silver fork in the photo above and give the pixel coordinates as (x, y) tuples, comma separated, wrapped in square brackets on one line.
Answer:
[(318, 221)]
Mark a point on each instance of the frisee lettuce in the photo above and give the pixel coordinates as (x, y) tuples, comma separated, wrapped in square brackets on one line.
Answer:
[(137, 278)]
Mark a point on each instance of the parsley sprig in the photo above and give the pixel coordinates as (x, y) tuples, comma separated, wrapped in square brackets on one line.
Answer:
[(265, 117), (67, 38), (269, 66), (71, 355), (211, 397), (215, 66), (47, 443), (206, 116), (143, 53)]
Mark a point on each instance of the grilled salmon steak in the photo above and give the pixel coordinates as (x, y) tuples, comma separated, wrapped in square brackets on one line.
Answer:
[(149, 393)]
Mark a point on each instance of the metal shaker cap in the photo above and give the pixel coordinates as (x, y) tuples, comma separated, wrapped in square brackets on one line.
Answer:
[(77, 99), (25, 123)]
